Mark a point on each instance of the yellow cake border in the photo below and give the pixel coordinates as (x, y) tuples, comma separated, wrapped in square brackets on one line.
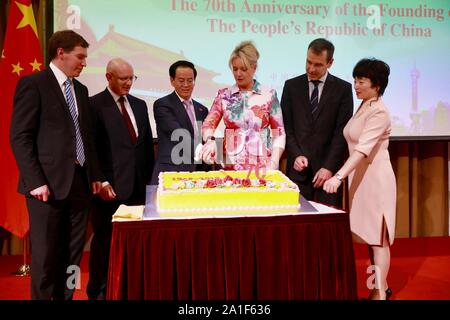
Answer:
[(227, 210)]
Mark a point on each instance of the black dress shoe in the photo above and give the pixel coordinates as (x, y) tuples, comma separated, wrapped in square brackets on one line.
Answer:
[(375, 294), (388, 293)]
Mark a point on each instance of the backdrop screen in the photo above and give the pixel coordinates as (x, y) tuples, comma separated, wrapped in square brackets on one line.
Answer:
[(413, 37)]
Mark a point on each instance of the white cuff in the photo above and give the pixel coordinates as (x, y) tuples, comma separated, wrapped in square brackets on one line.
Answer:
[(279, 141)]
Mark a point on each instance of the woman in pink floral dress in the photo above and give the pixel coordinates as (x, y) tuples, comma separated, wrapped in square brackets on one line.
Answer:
[(254, 132)]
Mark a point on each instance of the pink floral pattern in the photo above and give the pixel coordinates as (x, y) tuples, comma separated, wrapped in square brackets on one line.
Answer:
[(227, 182), (249, 118)]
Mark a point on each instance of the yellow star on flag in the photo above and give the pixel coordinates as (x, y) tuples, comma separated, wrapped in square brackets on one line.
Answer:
[(36, 65), (17, 68), (28, 17), (3, 54)]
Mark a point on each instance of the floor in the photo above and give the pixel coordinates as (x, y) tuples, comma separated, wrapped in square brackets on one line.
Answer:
[(420, 270)]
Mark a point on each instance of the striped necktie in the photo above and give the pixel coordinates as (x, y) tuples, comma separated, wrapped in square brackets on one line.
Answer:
[(314, 100), (73, 112)]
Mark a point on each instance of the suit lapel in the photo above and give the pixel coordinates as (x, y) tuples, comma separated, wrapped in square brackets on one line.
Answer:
[(115, 115), (181, 112), (57, 89), (54, 85), (327, 89), (304, 98), (76, 87), (112, 108), (139, 120), (199, 114)]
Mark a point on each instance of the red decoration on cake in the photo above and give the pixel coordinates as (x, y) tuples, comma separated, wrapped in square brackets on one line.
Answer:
[(210, 183), (246, 183), (237, 181)]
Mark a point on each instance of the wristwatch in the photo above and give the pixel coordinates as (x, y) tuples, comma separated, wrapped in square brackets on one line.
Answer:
[(338, 176)]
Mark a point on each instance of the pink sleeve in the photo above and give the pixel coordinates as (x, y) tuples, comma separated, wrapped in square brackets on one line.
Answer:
[(375, 127), (215, 114), (276, 117), (276, 122)]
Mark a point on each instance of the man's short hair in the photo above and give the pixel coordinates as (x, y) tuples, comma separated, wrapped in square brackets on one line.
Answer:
[(65, 39), (183, 64), (321, 44)]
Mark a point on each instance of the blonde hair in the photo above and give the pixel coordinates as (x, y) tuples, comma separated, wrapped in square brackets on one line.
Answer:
[(247, 51)]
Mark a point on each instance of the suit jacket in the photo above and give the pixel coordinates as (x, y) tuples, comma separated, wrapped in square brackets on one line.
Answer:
[(122, 164), (170, 114), (319, 138), (43, 134)]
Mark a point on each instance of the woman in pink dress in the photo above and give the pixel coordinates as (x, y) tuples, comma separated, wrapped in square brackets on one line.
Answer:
[(254, 132), (372, 186)]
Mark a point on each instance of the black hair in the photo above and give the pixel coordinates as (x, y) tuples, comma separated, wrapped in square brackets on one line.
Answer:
[(184, 64), (65, 39), (376, 70), (321, 44)]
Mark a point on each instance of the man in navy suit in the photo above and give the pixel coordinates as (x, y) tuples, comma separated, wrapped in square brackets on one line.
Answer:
[(124, 143), (178, 121), (52, 143), (316, 107)]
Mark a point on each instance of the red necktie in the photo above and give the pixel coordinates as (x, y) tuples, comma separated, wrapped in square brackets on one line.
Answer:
[(127, 120)]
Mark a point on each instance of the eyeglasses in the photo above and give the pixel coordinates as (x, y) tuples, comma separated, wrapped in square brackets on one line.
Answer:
[(125, 79)]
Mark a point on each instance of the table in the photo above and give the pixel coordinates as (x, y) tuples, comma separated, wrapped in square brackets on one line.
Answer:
[(280, 257)]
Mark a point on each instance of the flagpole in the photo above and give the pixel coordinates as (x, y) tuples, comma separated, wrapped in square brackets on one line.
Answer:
[(24, 269)]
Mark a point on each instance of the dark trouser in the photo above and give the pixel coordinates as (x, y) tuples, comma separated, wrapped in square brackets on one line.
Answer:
[(101, 214), (308, 191), (57, 235)]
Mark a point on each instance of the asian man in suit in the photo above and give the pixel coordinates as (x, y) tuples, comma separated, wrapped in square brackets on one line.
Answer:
[(52, 143), (178, 121), (124, 141), (316, 106)]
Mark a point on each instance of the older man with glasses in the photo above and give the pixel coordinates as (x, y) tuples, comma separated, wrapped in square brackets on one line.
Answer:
[(124, 143)]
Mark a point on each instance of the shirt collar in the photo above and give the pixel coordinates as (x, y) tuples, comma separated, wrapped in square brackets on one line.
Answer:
[(115, 95), (255, 89), (323, 79), (181, 99), (59, 74)]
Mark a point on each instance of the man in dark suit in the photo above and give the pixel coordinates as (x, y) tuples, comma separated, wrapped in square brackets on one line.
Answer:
[(178, 123), (125, 149), (52, 143), (316, 107)]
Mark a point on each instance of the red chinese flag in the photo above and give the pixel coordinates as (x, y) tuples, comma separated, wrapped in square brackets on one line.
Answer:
[(21, 55)]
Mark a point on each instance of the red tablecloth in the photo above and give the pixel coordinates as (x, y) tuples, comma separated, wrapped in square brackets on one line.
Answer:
[(269, 258)]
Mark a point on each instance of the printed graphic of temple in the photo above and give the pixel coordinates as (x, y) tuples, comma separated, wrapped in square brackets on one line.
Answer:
[(151, 64)]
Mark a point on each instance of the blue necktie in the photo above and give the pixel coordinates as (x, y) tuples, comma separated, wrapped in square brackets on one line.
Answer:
[(72, 108), (314, 100)]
